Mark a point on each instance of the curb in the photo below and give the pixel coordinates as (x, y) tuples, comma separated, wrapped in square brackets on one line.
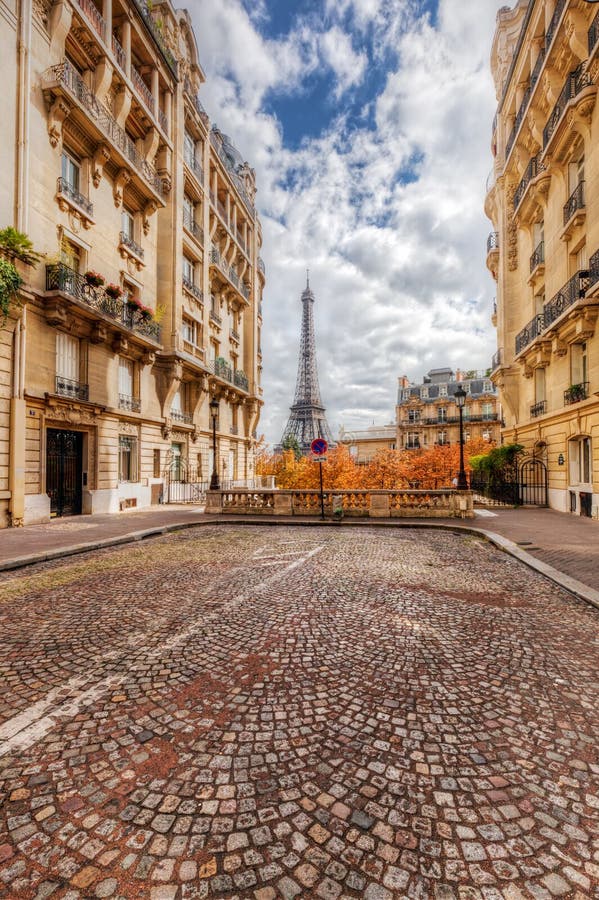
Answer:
[(571, 585)]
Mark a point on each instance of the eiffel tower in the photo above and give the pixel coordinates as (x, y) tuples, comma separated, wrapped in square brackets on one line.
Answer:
[(307, 420)]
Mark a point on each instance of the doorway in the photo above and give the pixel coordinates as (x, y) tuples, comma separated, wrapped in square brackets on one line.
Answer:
[(64, 467)]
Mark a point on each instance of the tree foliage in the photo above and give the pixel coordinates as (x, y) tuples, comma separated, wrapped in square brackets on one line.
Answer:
[(16, 245)]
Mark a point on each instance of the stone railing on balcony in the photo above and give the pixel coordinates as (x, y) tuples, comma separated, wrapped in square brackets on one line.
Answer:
[(538, 409), (574, 84), (575, 202), (61, 278), (538, 256), (129, 403), (355, 504), (70, 80), (65, 189), (576, 392), (184, 418), (94, 16), (66, 387), (493, 242)]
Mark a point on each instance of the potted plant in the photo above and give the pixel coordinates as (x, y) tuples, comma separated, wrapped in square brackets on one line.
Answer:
[(145, 313), (10, 282), (113, 291), (94, 279), (576, 392)]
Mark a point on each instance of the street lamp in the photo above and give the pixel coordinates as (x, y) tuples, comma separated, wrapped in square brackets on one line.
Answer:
[(214, 485), (460, 399)]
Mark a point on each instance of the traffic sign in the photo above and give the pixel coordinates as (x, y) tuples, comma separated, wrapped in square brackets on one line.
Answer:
[(319, 447)]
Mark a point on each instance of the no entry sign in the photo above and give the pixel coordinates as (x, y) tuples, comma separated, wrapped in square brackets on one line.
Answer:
[(319, 447)]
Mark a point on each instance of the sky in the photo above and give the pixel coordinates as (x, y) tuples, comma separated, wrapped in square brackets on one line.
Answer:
[(368, 123)]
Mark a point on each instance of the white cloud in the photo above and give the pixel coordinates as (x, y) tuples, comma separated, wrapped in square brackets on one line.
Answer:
[(397, 268)]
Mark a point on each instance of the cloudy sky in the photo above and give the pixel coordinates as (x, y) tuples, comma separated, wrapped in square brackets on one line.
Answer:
[(368, 123)]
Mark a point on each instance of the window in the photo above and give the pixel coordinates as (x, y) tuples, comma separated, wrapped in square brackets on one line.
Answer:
[(576, 170), (405, 394), (487, 411), (580, 460), (176, 466), (189, 147), (442, 437), (579, 363), (424, 393), (70, 255), (540, 386), (177, 404), (487, 387), (188, 210), (128, 224), (126, 373), (232, 465), (442, 414), (156, 462), (67, 356), (413, 415), (188, 270), (190, 331), (128, 458), (442, 390), (71, 171)]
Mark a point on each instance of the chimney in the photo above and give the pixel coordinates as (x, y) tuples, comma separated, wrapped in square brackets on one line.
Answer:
[(458, 375), (404, 381)]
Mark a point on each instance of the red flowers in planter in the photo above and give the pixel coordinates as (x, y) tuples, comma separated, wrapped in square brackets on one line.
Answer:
[(135, 305), (94, 279), (113, 290)]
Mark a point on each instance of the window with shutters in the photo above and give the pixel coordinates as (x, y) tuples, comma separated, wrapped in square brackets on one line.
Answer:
[(128, 458)]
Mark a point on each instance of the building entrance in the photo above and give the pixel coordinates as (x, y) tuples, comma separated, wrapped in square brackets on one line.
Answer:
[(64, 458)]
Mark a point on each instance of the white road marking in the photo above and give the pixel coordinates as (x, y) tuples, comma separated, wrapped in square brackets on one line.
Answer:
[(27, 728), (484, 512)]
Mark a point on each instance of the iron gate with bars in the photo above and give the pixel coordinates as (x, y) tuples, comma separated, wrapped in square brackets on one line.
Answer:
[(524, 484), (183, 482), (64, 471)]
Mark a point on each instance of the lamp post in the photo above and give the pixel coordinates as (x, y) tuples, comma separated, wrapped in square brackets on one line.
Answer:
[(460, 399), (214, 485)]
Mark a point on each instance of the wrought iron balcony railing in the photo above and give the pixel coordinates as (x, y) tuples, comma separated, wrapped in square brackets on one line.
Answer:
[(193, 163), (530, 331), (538, 409), (497, 359), (534, 77), (118, 53), (534, 168), (593, 35), (178, 416), (192, 288), (66, 387), (576, 392), (192, 226), (163, 120), (234, 335), (127, 241), (230, 167), (131, 404), (538, 256), (144, 10), (575, 202), (196, 101), (93, 14), (261, 266), (67, 76), (142, 89), (75, 196), (241, 380), (62, 278), (413, 445), (493, 241), (575, 82)]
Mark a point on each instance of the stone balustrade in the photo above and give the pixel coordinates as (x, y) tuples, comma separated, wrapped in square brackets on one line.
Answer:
[(356, 504)]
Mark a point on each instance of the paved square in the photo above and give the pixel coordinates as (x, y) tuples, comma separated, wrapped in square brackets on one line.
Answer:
[(264, 712)]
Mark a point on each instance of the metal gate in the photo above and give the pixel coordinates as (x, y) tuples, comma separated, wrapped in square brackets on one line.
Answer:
[(64, 471), (532, 482), (183, 482)]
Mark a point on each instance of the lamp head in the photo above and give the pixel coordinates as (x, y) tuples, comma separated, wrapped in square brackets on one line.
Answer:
[(460, 397), (214, 404)]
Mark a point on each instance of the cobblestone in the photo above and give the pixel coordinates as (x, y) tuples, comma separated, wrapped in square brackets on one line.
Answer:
[(255, 713)]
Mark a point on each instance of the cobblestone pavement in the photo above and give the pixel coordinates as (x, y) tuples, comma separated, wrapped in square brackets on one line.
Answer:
[(282, 712)]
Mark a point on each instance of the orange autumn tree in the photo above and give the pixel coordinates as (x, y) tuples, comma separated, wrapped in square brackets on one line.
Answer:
[(438, 465)]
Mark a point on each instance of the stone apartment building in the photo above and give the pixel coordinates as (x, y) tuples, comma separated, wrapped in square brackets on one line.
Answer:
[(543, 200), (426, 413), (363, 445), (148, 302)]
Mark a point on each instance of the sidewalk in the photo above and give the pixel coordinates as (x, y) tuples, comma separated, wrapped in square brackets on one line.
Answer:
[(553, 543)]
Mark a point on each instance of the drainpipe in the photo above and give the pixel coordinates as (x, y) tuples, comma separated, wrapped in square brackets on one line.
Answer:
[(23, 88)]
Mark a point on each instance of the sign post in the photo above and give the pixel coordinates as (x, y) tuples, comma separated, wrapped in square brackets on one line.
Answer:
[(319, 447)]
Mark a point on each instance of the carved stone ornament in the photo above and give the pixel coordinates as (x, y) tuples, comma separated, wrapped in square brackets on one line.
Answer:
[(512, 232), (148, 358), (41, 9), (59, 110), (72, 413), (559, 348), (120, 344), (167, 431), (122, 179), (128, 428), (56, 313), (99, 333), (101, 157), (149, 210)]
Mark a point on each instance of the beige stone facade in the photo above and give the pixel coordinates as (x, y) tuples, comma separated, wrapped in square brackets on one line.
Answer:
[(110, 165), (542, 198), (427, 414), (364, 444)]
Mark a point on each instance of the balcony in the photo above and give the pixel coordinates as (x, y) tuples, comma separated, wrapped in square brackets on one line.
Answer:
[(229, 272), (576, 392), (574, 210), (194, 165), (576, 82), (119, 54), (178, 416), (223, 370), (230, 168), (530, 331), (129, 247), (493, 242), (92, 14), (66, 387), (64, 80), (538, 409), (413, 445), (531, 178), (190, 224), (62, 279), (538, 257), (497, 360), (143, 91), (196, 102), (234, 336), (143, 9), (493, 253), (593, 35), (192, 289), (240, 379), (128, 403), (70, 198)]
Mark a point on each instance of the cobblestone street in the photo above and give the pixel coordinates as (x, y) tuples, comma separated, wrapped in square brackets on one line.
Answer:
[(258, 712)]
